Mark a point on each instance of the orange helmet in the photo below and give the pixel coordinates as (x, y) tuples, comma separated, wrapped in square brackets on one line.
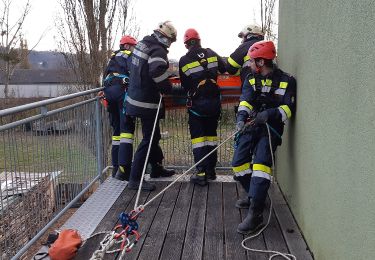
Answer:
[(191, 34), (127, 39), (262, 49)]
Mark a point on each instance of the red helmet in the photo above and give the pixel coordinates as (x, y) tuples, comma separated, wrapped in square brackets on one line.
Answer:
[(262, 49), (127, 39), (191, 34)]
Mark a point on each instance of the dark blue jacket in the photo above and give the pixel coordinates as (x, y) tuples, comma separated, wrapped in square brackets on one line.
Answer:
[(275, 94), (197, 65), (238, 61), (148, 78), (118, 66)]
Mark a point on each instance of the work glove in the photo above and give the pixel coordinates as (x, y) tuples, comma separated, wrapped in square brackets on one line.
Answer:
[(261, 118), (240, 125)]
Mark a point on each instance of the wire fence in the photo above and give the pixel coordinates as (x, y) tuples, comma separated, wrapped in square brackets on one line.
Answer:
[(46, 160), (53, 151)]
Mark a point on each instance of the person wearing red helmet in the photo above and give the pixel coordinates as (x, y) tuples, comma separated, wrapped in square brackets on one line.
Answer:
[(115, 81), (267, 101), (199, 69)]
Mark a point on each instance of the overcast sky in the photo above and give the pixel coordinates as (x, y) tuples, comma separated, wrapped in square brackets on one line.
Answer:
[(218, 22)]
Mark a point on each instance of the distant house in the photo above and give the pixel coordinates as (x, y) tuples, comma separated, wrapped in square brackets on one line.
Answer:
[(28, 83)]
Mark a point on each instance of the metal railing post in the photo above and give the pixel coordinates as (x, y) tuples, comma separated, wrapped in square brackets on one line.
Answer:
[(99, 140)]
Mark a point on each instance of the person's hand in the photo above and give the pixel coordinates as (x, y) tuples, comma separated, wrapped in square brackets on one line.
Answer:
[(261, 118), (240, 125)]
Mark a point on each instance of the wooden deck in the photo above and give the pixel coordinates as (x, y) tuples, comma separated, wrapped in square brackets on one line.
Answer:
[(193, 222)]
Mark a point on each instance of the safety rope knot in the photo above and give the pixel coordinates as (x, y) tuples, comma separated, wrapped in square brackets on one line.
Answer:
[(129, 227)]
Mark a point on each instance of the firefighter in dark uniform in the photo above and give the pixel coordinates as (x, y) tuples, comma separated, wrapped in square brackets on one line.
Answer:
[(148, 80), (268, 97), (238, 61), (116, 79), (198, 73)]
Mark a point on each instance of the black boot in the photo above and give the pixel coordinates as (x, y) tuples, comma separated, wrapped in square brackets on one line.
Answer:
[(253, 220), (199, 178), (157, 170), (211, 175), (114, 171), (243, 203), (122, 174), (146, 186)]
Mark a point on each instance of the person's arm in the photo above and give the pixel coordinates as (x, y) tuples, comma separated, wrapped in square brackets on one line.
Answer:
[(158, 70), (245, 107), (186, 82), (235, 61)]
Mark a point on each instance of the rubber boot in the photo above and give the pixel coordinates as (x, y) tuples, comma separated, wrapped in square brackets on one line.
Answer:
[(146, 186), (157, 170), (199, 178), (122, 174), (211, 175), (243, 203), (114, 171), (253, 220)]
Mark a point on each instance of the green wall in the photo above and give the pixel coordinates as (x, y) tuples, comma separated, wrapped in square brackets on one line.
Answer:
[(326, 163)]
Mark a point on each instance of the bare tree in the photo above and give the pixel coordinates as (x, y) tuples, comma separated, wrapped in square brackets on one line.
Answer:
[(11, 36), (87, 29), (268, 18)]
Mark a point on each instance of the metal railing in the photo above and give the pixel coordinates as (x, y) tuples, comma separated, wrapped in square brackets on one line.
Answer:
[(50, 158), (47, 158)]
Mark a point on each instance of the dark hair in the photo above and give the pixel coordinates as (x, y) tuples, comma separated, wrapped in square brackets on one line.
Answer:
[(267, 63)]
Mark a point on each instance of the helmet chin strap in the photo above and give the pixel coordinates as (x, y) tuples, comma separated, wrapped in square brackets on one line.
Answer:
[(163, 39)]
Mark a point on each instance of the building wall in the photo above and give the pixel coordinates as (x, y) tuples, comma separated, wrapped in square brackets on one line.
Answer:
[(326, 163)]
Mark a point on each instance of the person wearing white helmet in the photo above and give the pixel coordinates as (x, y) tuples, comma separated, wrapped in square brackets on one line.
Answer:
[(238, 61), (148, 79)]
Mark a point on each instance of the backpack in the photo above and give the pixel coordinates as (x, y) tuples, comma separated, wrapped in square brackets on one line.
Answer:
[(205, 98)]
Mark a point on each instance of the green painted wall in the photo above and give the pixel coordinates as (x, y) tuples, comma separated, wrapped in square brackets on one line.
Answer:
[(326, 165)]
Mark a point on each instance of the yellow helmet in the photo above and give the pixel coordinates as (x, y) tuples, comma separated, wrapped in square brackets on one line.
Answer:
[(251, 28), (167, 29)]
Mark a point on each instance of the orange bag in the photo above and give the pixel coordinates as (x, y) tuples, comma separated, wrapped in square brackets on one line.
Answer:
[(66, 245)]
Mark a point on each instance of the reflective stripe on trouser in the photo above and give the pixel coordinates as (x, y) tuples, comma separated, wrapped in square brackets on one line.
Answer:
[(125, 154), (204, 139), (241, 160), (115, 95), (156, 154), (262, 172)]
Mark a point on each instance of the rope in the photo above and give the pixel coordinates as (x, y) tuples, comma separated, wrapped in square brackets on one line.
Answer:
[(274, 253), (183, 174), (148, 153), (107, 242)]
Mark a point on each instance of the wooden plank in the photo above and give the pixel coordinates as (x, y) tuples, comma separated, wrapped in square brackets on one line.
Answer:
[(257, 242), (272, 234), (145, 219), (293, 237), (193, 246), (214, 235), (174, 241), (154, 241), (107, 223), (232, 218)]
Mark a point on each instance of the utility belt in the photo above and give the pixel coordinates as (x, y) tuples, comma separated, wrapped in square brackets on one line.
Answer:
[(116, 79), (204, 100)]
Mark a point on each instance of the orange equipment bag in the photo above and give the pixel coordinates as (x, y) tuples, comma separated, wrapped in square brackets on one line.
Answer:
[(66, 245)]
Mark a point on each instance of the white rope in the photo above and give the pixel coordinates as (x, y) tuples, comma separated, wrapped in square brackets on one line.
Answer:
[(274, 253), (184, 173), (107, 242), (148, 153)]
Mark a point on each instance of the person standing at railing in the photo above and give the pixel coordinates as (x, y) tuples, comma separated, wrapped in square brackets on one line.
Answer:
[(238, 61), (267, 101), (199, 69), (115, 81), (148, 80)]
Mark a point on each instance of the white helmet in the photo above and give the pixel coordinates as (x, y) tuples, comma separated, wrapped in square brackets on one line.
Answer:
[(250, 28), (167, 29)]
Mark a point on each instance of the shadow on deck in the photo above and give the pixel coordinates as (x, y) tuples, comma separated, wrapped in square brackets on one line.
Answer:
[(191, 222)]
